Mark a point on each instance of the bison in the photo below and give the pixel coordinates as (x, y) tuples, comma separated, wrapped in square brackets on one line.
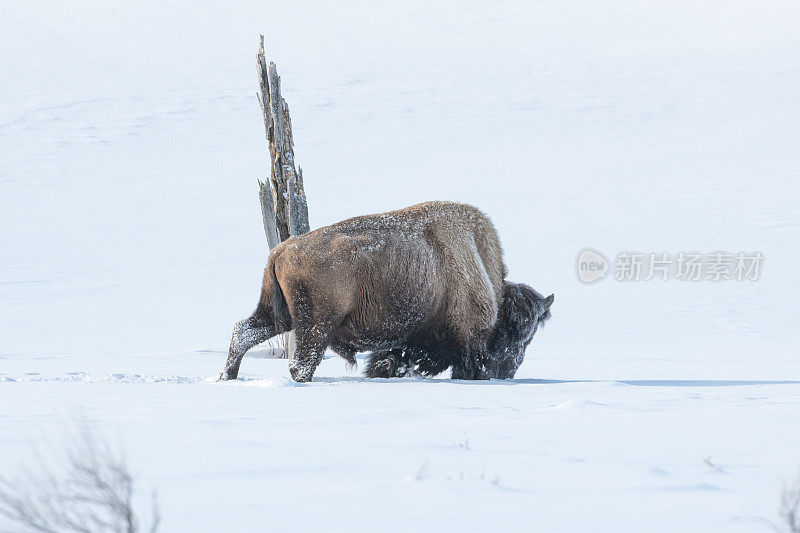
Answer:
[(422, 288)]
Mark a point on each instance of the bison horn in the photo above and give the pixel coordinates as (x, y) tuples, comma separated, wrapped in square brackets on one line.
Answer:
[(549, 301)]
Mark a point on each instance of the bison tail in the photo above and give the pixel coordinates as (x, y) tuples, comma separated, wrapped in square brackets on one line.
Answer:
[(272, 307)]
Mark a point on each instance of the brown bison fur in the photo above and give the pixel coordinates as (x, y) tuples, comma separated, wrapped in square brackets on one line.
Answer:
[(522, 312), (428, 279)]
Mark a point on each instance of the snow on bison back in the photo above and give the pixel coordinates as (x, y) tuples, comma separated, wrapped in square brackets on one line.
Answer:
[(422, 288)]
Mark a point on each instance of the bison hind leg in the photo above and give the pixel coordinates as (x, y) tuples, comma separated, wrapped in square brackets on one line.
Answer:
[(312, 334), (246, 334)]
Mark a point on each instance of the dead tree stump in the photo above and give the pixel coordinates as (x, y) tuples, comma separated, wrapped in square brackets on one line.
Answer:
[(284, 208)]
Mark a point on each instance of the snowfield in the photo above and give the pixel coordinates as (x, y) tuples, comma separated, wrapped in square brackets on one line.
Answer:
[(684, 451), (131, 242)]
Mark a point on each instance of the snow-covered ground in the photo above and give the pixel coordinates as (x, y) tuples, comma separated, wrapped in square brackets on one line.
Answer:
[(131, 241)]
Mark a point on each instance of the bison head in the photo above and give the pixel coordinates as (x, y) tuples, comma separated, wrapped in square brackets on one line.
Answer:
[(523, 311)]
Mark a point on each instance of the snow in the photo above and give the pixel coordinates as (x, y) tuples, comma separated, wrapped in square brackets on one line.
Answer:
[(131, 242)]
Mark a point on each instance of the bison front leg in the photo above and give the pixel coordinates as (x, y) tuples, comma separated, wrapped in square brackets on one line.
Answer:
[(465, 369), (246, 334), (473, 364), (388, 364)]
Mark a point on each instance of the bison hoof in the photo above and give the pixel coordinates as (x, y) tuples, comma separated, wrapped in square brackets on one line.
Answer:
[(226, 375), (300, 373), (384, 368)]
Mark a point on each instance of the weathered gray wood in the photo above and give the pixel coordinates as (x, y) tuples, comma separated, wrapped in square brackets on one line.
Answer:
[(279, 150), (284, 207), (289, 202), (268, 214), (298, 205)]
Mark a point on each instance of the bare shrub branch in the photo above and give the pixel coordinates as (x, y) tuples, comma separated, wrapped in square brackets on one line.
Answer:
[(91, 492), (790, 507)]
